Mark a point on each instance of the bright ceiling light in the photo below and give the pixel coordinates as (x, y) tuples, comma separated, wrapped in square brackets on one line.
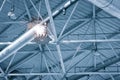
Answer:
[(40, 31)]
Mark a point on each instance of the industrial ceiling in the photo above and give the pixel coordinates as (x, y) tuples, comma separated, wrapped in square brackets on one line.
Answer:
[(82, 42)]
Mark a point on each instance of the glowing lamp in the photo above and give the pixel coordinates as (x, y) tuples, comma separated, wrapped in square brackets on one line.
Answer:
[(40, 31)]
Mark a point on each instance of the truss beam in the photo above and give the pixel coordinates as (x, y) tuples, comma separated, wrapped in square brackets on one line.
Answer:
[(81, 73)]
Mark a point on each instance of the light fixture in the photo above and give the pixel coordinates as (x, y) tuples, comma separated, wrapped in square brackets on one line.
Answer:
[(11, 13), (64, 11), (40, 30)]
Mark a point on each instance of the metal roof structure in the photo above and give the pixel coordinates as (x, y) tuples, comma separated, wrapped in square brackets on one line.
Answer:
[(86, 40)]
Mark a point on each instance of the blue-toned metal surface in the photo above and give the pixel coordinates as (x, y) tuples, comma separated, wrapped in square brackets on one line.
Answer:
[(86, 46)]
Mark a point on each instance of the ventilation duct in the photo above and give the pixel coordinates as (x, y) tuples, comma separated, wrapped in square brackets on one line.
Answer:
[(19, 43), (110, 6)]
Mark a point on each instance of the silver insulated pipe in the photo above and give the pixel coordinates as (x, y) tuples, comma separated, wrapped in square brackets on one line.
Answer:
[(19, 43), (110, 6)]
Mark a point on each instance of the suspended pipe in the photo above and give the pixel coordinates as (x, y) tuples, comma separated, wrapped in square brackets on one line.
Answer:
[(110, 6), (29, 35), (18, 43)]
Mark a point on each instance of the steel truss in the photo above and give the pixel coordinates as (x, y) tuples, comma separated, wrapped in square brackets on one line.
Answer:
[(89, 71)]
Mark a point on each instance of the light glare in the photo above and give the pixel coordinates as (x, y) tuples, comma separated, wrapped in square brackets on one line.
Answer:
[(40, 31)]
